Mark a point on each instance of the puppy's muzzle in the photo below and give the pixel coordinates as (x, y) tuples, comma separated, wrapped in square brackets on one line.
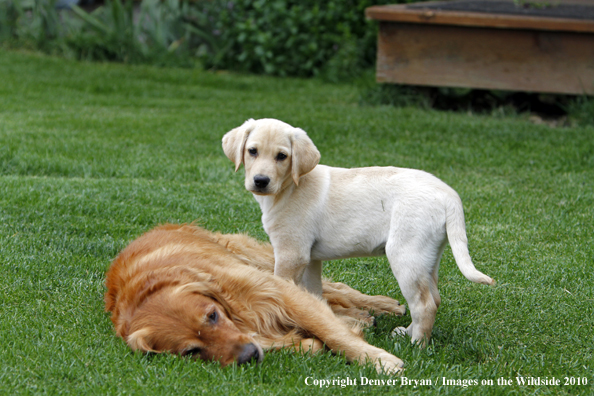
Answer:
[(261, 181), (250, 352)]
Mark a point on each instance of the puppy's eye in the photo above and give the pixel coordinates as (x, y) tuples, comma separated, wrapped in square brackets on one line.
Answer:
[(213, 317), (253, 151), (281, 157)]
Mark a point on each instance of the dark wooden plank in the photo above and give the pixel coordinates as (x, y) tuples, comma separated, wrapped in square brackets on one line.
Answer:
[(400, 13), (510, 7), (489, 58)]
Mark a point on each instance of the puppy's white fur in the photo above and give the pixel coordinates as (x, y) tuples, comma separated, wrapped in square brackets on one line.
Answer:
[(314, 213)]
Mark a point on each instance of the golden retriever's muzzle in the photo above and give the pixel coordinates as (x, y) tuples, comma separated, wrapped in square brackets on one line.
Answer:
[(250, 352)]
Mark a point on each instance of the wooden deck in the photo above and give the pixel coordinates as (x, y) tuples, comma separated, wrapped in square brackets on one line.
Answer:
[(444, 44)]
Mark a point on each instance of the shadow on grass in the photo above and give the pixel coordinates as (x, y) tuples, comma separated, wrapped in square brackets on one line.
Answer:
[(555, 110)]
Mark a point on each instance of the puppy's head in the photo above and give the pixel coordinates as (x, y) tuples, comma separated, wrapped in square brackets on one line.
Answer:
[(273, 153), (187, 320)]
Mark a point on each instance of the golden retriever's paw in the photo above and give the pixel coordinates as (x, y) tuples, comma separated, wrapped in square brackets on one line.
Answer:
[(399, 332), (398, 309), (389, 306), (367, 322), (354, 317), (363, 319), (310, 345), (388, 364)]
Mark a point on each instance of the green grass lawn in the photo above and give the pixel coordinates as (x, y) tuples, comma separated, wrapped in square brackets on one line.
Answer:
[(93, 155)]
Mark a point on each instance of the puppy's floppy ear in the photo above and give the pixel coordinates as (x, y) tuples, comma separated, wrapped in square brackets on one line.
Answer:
[(304, 154), (234, 142)]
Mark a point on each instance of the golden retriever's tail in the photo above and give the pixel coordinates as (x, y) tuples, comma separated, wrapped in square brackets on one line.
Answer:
[(456, 230)]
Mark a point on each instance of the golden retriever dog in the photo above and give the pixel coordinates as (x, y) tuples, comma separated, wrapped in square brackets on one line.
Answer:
[(313, 213), (185, 290)]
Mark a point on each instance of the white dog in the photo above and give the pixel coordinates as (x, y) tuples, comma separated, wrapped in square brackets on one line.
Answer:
[(314, 213)]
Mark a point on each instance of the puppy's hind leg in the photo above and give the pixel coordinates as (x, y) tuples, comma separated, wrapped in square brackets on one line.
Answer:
[(415, 264)]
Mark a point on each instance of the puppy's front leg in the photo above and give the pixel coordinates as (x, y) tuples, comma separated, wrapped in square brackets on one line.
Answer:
[(295, 265), (312, 278)]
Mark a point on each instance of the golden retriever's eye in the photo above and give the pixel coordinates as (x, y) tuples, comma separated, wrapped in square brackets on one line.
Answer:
[(213, 317), (281, 157), (253, 151), (192, 352)]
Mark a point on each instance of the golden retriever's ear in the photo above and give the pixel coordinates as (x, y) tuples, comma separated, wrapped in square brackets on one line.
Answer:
[(304, 154), (208, 288), (137, 341), (234, 142)]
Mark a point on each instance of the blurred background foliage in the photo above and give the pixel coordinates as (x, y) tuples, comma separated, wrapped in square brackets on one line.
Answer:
[(331, 40), (277, 37)]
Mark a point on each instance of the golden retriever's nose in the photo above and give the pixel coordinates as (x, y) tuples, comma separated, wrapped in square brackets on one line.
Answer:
[(250, 352), (261, 181)]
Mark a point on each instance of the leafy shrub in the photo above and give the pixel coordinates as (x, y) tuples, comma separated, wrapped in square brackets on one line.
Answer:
[(581, 110), (160, 34), (277, 37), (108, 34), (30, 23), (290, 37), (157, 34)]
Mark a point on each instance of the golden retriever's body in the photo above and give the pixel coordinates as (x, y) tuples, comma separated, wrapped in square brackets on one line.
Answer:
[(186, 290)]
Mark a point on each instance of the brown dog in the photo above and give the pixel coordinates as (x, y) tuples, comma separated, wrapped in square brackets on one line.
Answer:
[(213, 296)]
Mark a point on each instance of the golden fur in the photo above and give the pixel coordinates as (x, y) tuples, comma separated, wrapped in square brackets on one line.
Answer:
[(185, 290)]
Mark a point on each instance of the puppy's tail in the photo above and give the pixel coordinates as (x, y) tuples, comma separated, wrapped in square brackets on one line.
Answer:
[(456, 230)]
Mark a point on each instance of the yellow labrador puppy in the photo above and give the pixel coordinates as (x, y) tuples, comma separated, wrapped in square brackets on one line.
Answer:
[(314, 213)]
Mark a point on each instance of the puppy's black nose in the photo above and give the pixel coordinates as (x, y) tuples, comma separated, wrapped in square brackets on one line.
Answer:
[(261, 181), (249, 352)]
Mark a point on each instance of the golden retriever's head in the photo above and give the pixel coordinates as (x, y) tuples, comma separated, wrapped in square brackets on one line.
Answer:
[(274, 153), (185, 320)]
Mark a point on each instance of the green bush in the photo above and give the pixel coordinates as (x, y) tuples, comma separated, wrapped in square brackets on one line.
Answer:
[(277, 37), (30, 23), (157, 34), (160, 34), (107, 34), (296, 38), (581, 110)]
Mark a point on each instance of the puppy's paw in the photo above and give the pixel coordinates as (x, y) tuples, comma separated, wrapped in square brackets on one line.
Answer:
[(399, 332), (388, 364)]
